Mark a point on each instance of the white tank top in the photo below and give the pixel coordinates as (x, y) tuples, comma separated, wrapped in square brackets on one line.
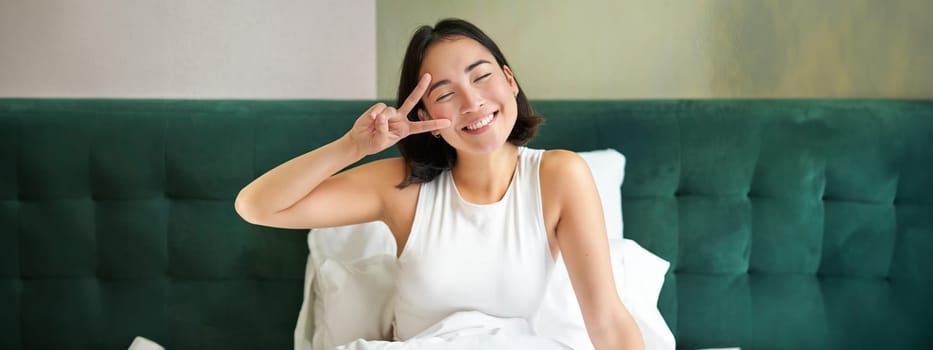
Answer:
[(493, 258)]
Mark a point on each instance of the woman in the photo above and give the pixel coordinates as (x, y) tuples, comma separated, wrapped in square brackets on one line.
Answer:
[(479, 219)]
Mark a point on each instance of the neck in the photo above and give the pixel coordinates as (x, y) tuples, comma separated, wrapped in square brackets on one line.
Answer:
[(484, 178)]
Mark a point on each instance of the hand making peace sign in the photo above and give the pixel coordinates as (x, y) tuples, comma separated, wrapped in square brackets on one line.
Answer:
[(382, 126)]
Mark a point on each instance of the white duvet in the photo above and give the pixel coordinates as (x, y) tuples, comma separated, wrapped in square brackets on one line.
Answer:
[(467, 330)]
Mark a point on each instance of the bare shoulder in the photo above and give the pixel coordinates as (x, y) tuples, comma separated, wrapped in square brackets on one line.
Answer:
[(566, 186), (561, 166), (398, 204), (564, 176), (385, 175), (379, 178)]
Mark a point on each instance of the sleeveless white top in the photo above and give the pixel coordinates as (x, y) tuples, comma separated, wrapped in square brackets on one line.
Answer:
[(492, 258)]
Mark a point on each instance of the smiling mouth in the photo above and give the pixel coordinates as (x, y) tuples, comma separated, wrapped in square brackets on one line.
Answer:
[(479, 124)]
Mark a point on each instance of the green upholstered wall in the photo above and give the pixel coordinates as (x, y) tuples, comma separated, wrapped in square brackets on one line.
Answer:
[(789, 224)]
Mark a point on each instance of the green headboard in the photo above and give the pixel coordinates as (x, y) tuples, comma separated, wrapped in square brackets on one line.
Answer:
[(789, 224)]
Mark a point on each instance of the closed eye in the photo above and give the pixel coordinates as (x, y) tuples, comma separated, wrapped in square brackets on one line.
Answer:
[(484, 76), (441, 97)]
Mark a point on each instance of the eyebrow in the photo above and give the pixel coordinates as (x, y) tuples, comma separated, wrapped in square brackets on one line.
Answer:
[(446, 81)]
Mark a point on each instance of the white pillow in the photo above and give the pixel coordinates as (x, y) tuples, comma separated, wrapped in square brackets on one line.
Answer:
[(639, 276), (349, 286), (608, 168)]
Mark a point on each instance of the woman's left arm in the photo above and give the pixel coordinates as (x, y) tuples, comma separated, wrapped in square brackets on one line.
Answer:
[(581, 235)]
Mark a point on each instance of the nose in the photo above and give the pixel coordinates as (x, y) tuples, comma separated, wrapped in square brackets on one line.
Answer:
[(472, 101)]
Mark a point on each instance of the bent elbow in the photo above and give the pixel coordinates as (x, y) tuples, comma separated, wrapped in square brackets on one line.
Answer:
[(246, 209)]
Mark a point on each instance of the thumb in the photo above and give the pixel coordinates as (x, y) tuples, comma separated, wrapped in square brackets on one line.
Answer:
[(428, 125)]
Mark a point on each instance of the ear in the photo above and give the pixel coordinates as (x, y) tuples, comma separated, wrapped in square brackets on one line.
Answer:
[(510, 78), (423, 115)]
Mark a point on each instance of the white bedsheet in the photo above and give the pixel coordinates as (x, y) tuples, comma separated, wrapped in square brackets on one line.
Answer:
[(467, 330)]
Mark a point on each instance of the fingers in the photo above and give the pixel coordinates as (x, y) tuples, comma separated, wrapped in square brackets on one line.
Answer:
[(372, 113), (428, 125), (415, 95), (382, 121), (376, 109)]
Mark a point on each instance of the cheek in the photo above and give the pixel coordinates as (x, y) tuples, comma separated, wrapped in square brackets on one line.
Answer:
[(502, 92), (441, 112)]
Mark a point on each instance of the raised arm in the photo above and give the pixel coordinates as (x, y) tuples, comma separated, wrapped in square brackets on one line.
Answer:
[(304, 192), (581, 235)]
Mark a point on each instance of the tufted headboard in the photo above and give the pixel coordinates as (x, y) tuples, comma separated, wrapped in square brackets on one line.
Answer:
[(789, 223)]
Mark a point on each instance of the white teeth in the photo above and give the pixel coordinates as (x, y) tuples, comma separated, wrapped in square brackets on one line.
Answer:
[(481, 123)]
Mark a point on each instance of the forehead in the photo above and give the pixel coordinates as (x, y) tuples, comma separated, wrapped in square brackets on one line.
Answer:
[(449, 56)]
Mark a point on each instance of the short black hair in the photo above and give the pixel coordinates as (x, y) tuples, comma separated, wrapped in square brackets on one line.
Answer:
[(425, 155)]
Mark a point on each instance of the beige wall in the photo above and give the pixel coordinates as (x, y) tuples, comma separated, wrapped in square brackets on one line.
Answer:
[(581, 49), (618, 49), (188, 49)]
